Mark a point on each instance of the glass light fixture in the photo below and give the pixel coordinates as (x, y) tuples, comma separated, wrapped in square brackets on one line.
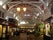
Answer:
[(18, 9), (24, 9)]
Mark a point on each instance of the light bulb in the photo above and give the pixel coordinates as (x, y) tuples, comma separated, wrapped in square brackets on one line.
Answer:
[(24, 9), (18, 9)]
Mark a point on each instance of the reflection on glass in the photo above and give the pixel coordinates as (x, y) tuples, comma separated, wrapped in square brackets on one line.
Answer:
[(4, 30)]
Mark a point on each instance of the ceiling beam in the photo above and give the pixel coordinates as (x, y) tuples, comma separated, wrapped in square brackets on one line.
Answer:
[(23, 2)]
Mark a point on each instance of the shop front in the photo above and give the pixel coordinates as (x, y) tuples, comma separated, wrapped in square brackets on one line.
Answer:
[(3, 28)]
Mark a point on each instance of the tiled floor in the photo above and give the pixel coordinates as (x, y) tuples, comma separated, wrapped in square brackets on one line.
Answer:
[(24, 36)]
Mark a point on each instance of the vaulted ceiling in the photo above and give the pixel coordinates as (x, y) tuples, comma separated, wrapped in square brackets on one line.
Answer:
[(31, 16)]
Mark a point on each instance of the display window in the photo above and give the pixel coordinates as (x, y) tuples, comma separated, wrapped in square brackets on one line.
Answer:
[(0, 30), (4, 30)]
